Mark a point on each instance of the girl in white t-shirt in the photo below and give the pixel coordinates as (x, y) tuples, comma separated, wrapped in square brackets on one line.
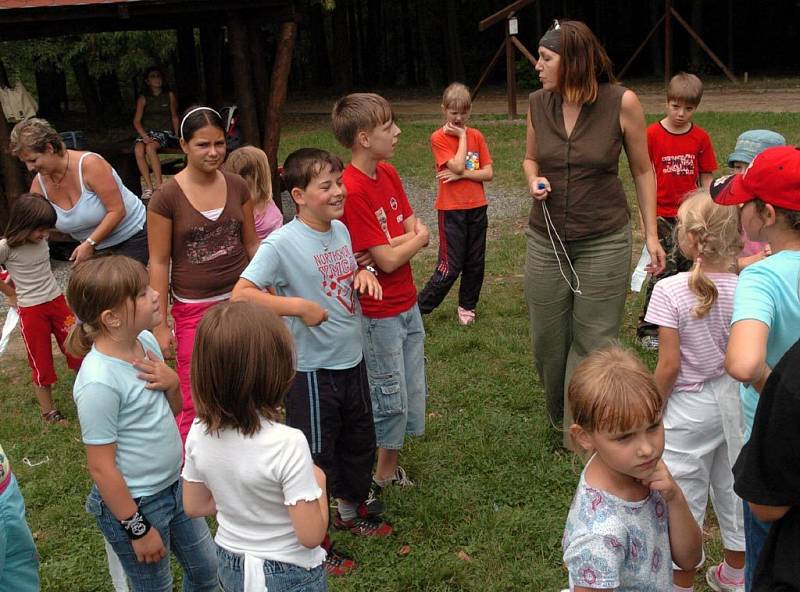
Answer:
[(253, 472), (702, 419)]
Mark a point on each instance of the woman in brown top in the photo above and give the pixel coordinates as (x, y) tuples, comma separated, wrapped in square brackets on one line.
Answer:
[(579, 236), (201, 236)]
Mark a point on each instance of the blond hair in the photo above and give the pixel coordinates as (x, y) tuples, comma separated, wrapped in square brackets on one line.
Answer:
[(611, 391), (716, 231), (35, 134), (252, 165), (359, 112), (686, 88), (95, 286), (456, 97)]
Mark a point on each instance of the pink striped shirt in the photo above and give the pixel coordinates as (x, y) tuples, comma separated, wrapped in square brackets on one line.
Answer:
[(702, 340)]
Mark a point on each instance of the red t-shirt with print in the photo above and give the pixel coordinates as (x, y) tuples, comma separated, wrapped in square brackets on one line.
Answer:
[(374, 212), (678, 160), (463, 194)]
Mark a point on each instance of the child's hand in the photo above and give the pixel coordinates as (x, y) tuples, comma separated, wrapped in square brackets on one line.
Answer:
[(364, 258), (661, 480), (12, 301), (446, 176), (453, 130), (150, 548), (367, 283), (158, 375), (422, 231), (539, 188), (313, 314), (166, 341)]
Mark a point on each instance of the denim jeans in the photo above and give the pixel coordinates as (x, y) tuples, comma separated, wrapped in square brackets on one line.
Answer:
[(19, 562), (188, 538), (280, 577), (755, 534), (394, 349)]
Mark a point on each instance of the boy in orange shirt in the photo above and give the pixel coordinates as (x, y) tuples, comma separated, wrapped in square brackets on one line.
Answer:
[(463, 164)]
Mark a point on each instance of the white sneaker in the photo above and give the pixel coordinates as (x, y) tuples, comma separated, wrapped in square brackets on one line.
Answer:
[(714, 576)]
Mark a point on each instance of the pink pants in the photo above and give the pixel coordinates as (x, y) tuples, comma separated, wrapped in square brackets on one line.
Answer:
[(186, 317)]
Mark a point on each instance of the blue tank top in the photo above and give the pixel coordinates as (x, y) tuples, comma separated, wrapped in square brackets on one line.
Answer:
[(83, 218)]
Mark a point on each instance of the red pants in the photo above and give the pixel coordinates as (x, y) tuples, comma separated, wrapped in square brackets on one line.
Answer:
[(37, 323)]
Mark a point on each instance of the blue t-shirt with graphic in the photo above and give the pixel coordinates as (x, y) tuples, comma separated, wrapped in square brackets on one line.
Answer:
[(115, 406), (613, 543), (298, 261), (769, 292)]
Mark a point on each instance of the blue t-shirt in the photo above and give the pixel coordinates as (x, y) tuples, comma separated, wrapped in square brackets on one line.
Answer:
[(114, 406), (301, 262), (769, 291), (613, 543)]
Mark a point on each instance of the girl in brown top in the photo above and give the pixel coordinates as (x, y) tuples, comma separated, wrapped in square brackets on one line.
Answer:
[(579, 239), (201, 236)]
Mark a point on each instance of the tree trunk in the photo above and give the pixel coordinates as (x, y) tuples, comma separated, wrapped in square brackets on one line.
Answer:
[(211, 45), (259, 61), (409, 55), (186, 75), (108, 88), (656, 8), (320, 62), (354, 20), (455, 64), (277, 97), (13, 177), (342, 44), (697, 58), (4, 83), (88, 90), (243, 79), (430, 64), (47, 91)]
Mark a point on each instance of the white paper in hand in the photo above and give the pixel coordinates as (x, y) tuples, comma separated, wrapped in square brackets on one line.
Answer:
[(12, 320)]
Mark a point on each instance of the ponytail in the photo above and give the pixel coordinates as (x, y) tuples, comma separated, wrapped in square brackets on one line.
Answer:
[(80, 339), (702, 287)]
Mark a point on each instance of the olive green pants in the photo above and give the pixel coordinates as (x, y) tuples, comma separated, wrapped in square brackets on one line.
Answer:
[(566, 327)]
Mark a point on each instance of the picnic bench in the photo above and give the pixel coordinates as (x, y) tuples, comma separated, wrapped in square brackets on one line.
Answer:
[(120, 156)]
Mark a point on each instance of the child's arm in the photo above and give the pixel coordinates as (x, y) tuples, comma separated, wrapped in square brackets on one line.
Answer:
[(705, 180), (161, 377), (685, 537), (458, 162), (10, 293), (365, 282), (769, 513), (746, 356), (159, 244), (173, 111), (137, 120), (310, 519), (389, 258), (197, 500), (311, 313), (482, 175), (249, 236), (669, 359), (102, 465)]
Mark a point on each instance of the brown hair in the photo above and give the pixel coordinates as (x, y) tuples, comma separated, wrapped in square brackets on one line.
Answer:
[(252, 165), (456, 96), (302, 165), (29, 212), (242, 366), (686, 88), (584, 63), (35, 134), (611, 391), (95, 286), (790, 217), (717, 232), (358, 112)]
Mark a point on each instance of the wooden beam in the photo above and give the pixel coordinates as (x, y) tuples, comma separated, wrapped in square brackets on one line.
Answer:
[(511, 78), (503, 14), (641, 47), (243, 79), (486, 71), (703, 45), (278, 87), (523, 50)]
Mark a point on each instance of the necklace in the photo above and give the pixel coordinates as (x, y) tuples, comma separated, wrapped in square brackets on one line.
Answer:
[(64, 174), (328, 235)]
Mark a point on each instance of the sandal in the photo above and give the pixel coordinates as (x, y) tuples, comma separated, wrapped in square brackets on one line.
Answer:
[(54, 417)]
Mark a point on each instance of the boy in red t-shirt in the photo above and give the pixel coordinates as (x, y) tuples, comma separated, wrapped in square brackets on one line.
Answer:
[(683, 159), (382, 224), (463, 164)]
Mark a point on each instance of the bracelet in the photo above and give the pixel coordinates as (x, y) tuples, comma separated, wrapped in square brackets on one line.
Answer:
[(372, 270), (91, 241), (136, 526)]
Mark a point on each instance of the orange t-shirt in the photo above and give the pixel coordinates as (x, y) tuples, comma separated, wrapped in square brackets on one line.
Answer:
[(462, 194)]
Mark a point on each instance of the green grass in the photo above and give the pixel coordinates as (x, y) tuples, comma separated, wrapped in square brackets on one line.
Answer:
[(490, 484)]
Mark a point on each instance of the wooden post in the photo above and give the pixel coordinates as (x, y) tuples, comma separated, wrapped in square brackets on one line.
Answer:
[(511, 77), (13, 179), (211, 46), (667, 41), (259, 61), (242, 79), (277, 96), (186, 75)]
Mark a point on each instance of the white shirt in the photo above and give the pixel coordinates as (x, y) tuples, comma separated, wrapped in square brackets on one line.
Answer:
[(253, 480)]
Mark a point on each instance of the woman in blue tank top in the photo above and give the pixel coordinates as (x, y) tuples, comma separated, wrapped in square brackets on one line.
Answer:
[(91, 202)]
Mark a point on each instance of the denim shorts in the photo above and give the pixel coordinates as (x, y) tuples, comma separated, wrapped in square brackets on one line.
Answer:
[(19, 562), (188, 538), (394, 349), (279, 576)]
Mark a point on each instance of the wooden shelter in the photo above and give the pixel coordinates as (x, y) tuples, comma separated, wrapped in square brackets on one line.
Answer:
[(260, 95)]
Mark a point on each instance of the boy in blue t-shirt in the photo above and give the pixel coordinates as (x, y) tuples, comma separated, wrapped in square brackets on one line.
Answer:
[(766, 308), (309, 263)]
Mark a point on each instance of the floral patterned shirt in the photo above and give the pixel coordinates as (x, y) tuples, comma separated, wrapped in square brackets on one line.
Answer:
[(611, 543)]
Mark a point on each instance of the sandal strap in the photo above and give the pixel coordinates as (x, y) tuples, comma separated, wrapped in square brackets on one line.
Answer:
[(53, 416)]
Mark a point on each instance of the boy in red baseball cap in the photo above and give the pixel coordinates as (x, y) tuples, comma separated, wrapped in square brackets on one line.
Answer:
[(766, 310)]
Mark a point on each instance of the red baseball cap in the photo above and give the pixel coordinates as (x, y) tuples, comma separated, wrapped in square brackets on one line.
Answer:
[(773, 177)]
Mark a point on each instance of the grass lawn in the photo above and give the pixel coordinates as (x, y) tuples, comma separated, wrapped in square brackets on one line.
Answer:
[(492, 492)]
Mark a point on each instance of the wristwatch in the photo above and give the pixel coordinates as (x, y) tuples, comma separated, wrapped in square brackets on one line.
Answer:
[(372, 270), (91, 241)]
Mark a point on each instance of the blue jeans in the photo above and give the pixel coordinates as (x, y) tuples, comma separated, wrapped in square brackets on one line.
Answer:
[(188, 538), (394, 349), (755, 534), (19, 562), (280, 577)]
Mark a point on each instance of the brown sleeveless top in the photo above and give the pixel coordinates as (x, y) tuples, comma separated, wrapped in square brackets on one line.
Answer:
[(587, 198)]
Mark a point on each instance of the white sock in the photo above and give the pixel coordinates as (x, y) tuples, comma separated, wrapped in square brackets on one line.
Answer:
[(731, 575), (676, 588)]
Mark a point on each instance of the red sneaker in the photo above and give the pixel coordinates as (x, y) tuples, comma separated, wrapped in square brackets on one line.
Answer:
[(364, 526), (337, 564)]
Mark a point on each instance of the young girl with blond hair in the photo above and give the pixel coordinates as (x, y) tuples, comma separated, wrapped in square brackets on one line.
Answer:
[(702, 419), (252, 165), (628, 519)]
